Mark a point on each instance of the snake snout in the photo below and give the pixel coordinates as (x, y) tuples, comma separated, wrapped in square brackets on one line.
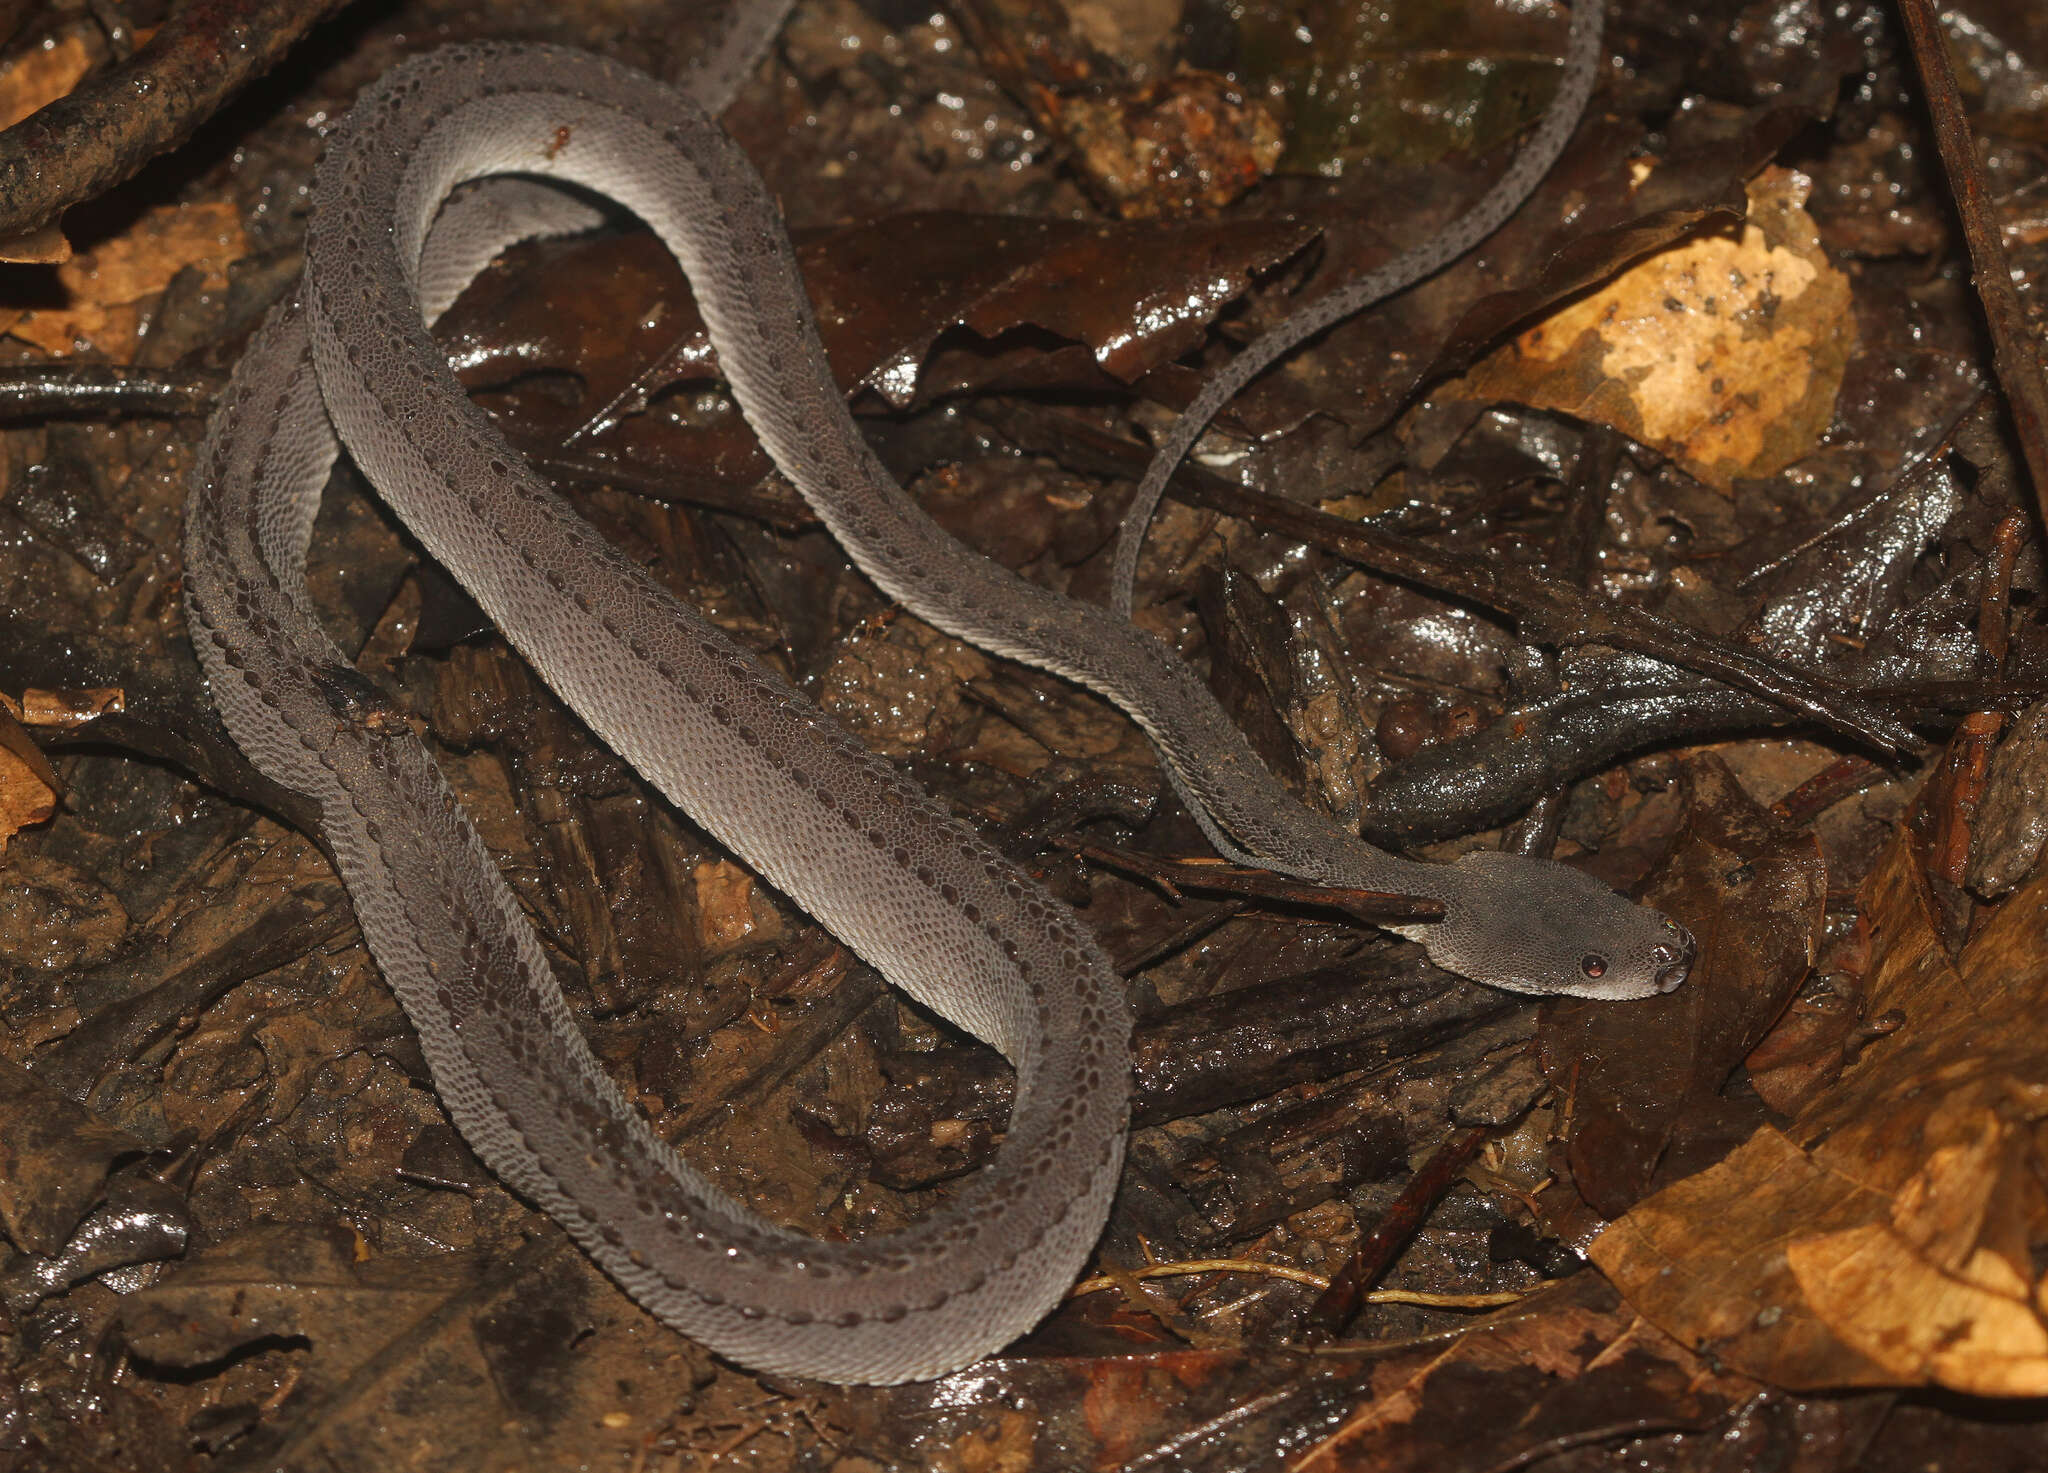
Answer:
[(1673, 959)]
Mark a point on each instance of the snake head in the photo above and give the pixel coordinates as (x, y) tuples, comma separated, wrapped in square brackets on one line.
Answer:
[(1530, 925)]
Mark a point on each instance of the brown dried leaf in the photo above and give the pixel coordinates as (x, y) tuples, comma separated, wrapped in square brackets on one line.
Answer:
[(105, 287), (29, 786), (1726, 351), (36, 76), (45, 247), (1565, 1360), (1819, 1035), (67, 708), (1891, 1237)]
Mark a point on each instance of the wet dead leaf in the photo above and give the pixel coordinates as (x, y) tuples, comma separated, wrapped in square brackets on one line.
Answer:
[(67, 708), (54, 1158), (45, 247), (2010, 831), (1412, 83), (1819, 1035), (1573, 1363), (1892, 1235), (614, 313), (1726, 351)]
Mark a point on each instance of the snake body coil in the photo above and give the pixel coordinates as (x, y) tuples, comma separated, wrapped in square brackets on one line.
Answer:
[(839, 830)]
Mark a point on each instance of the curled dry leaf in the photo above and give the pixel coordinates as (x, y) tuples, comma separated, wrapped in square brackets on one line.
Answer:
[(69, 707), (1891, 1236), (29, 786)]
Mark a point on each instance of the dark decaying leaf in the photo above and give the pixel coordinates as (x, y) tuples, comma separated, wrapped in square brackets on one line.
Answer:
[(530, 1360), (1643, 1085), (1854, 591), (54, 1158), (1134, 296), (140, 1225)]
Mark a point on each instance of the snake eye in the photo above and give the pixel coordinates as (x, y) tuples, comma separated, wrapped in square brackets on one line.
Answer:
[(1593, 965)]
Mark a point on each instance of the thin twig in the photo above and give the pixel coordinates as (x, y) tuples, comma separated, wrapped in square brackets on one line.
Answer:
[(1262, 1269), (1215, 877), (2012, 339), (69, 389), (82, 145), (1340, 1303), (1201, 1266)]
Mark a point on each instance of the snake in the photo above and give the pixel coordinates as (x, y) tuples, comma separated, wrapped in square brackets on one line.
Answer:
[(440, 164)]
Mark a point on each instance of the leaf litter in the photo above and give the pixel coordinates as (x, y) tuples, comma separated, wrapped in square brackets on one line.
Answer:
[(242, 1231)]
